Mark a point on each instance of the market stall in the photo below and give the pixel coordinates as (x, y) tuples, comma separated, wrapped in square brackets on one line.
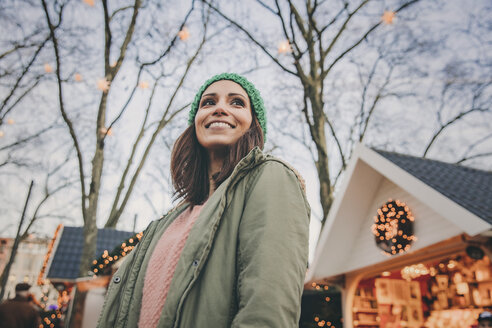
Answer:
[(408, 243)]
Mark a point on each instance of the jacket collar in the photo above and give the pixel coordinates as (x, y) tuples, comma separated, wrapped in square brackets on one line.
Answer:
[(254, 157)]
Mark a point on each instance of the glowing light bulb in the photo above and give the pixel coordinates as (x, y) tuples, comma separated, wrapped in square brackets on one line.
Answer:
[(48, 68), (103, 84), (388, 17), (143, 85), (184, 34), (284, 47)]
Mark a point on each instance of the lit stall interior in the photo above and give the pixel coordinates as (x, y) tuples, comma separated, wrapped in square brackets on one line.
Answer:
[(448, 293)]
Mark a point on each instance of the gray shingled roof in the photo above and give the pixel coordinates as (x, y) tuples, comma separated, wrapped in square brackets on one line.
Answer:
[(66, 260), (470, 188)]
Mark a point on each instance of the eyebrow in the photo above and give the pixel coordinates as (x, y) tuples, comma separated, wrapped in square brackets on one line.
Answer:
[(229, 95)]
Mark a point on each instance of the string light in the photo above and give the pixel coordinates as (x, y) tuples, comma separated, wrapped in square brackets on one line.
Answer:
[(2, 133), (393, 227), (48, 68), (105, 131), (103, 264), (284, 47), (143, 85), (388, 17), (322, 288), (77, 77), (41, 281), (184, 34), (413, 271), (103, 84), (89, 2), (10, 121), (452, 264), (51, 318)]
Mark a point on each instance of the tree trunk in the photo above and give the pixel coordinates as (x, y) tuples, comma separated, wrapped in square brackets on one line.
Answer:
[(322, 168), (89, 247), (314, 93), (90, 227)]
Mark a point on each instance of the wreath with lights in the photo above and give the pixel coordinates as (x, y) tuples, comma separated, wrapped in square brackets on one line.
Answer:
[(103, 264), (393, 227)]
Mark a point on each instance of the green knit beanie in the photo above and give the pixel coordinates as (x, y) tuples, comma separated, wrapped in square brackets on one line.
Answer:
[(254, 97)]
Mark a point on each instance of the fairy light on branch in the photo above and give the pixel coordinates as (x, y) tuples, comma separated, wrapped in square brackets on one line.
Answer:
[(103, 264), (284, 47), (103, 85), (77, 77), (48, 68), (143, 85), (393, 227), (106, 131), (184, 34), (388, 17)]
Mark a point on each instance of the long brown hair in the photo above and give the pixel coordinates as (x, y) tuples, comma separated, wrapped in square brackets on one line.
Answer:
[(189, 162)]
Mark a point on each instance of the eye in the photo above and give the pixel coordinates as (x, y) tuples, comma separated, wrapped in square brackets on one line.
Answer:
[(237, 102), (207, 102)]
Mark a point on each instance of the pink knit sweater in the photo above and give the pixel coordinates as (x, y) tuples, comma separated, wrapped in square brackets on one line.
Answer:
[(162, 265)]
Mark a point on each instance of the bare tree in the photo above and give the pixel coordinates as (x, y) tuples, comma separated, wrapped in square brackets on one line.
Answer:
[(90, 190)]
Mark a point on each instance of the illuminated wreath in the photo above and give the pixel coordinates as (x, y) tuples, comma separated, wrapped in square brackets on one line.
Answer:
[(393, 227)]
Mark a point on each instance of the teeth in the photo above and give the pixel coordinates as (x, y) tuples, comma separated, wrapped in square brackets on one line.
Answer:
[(219, 124)]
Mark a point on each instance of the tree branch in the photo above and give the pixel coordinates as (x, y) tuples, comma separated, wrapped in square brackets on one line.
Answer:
[(24, 72), (26, 139), (448, 123), (372, 29), (62, 105), (337, 141), (464, 159), (250, 37)]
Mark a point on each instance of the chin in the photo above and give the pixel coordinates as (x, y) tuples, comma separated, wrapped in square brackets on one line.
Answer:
[(218, 144)]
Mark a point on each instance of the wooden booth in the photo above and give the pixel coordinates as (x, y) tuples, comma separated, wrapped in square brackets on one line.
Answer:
[(408, 243)]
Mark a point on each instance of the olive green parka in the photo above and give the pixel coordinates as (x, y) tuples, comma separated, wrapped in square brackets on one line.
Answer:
[(243, 264)]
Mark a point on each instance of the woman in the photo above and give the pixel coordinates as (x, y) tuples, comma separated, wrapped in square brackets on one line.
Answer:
[(234, 252)]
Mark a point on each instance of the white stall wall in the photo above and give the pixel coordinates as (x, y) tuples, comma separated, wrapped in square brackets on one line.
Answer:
[(429, 227)]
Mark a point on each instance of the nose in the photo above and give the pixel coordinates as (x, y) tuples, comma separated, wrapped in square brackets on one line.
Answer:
[(220, 110)]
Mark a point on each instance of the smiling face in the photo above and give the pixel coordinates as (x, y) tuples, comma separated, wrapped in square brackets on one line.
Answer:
[(223, 116)]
